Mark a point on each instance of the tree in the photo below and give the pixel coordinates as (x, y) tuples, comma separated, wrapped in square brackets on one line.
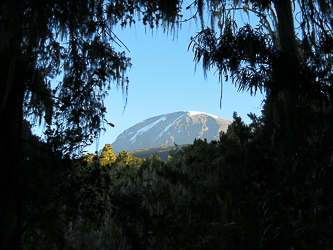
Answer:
[(294, 69), (42, 40), (107, 156), (293, 65), (154, 161), (124, 159)]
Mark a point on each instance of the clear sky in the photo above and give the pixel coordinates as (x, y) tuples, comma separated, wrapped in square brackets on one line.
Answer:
[(164, 78)]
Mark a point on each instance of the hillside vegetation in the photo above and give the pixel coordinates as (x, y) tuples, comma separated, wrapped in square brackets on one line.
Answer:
[(207, 195), (162, 151)]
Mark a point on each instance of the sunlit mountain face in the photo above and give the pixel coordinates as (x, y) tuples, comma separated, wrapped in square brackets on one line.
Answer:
[(179, 127)]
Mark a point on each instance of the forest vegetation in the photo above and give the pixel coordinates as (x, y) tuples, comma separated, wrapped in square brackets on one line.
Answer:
[(266, 185)]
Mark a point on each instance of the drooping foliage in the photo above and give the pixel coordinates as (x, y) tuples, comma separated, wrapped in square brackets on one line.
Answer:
[(74, 38), (58, 60), (287, 54), (281, 30)]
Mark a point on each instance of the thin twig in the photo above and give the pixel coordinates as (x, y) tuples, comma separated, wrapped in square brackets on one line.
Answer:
[(118, 40)]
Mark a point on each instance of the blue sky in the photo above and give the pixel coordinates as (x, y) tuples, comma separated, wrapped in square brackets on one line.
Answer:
[(164, 78)]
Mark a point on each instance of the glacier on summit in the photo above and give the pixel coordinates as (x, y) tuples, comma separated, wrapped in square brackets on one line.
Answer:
[(194, 113)]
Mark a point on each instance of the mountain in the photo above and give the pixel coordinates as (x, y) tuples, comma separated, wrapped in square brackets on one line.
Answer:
[(179, 127)]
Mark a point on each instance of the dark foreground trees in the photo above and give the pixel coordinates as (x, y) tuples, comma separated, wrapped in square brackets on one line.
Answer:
[(263, 186), (289, 56)]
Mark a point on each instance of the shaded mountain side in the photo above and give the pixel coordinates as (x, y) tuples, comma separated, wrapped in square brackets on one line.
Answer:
[(162, 151)]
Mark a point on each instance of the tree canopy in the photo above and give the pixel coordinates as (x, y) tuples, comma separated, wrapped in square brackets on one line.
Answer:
[(291, 63), (73, 39), (287, 55)]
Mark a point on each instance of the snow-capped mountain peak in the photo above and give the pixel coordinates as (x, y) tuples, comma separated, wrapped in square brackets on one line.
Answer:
[(179, 127)]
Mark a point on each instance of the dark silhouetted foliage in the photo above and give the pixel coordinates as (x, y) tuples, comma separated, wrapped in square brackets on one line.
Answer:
[(266, 185)]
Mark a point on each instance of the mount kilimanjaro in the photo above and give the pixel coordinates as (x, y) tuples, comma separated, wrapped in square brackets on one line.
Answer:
[(179, 127)]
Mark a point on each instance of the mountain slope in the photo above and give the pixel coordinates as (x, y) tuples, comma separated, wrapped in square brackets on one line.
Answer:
[(179, 127), (162, 151)]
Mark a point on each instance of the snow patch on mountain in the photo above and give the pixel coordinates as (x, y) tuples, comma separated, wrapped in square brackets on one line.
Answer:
[(168, 126), (179, 127), (194, 113), (146, 128)]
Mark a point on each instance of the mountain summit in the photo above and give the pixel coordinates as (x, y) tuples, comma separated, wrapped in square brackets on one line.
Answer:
[(179, 127)]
